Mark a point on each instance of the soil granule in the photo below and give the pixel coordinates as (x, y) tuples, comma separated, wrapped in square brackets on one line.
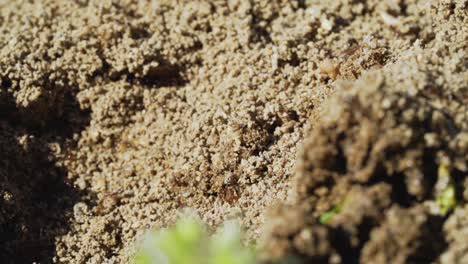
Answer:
[(117, 115)]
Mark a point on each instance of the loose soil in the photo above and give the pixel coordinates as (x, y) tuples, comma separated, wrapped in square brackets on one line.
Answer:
[(117, 115)]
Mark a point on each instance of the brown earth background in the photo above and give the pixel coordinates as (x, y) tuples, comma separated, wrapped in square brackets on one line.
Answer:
[(116, 115)]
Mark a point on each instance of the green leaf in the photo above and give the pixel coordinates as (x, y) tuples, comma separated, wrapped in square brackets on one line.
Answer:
[(446, 199), (189, 243)]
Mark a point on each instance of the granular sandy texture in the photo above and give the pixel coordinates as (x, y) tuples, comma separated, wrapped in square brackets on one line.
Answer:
[(129, 111)]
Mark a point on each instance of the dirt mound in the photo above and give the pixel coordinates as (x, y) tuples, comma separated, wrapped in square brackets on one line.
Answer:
[(367, 157), (375, 166), (128, 111)]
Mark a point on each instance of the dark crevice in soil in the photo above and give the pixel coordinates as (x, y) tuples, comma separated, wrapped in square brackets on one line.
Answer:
[(458, 178), (432, 243), (400, 193), (341, 165), (429, 171), (6, 83), (341, 241), (167, 75)]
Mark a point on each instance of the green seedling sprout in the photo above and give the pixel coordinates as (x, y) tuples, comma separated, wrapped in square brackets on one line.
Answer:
[(188, 242), (327, 216), (446, 199), (226, 246)]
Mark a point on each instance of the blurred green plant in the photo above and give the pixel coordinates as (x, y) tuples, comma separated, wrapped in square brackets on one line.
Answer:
[(446, 198), (188, 242), (326, 217)]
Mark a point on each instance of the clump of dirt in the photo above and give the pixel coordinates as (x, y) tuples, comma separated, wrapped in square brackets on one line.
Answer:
[(455, 234), (375, 154), (129, 111)]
